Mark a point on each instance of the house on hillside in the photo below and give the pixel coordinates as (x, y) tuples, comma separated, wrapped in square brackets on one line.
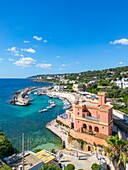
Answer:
[(123, 83), (79, 87)]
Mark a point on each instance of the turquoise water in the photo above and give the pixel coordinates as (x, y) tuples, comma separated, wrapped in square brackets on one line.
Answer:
[(15, 120)]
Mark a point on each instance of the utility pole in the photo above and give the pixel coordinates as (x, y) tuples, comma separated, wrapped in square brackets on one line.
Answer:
[(23, 150), (28, 144)]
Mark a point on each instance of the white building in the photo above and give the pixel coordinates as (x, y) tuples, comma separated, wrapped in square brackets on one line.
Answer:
[(122, 83), (59, 88)]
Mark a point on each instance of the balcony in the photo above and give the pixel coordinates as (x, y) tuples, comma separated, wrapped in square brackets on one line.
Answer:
[(90, 132), (95, 137), (90, 117)]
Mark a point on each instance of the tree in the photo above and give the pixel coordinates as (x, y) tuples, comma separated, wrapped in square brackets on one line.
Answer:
[(5, 167), (70, 167), (117, 152), (95, 166), (6, 148)]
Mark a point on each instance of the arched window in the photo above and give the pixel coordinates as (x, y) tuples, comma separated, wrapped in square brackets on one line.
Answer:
[(85, 126), (89, 148), (90, 128), (96, 129)]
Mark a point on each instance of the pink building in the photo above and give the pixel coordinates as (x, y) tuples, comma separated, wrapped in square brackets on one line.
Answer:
[(89, 121)]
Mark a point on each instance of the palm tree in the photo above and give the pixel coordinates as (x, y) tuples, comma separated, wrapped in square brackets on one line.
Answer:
[(117, 152)]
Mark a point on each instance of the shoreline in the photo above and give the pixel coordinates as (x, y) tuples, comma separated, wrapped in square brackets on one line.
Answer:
[(59, 131)]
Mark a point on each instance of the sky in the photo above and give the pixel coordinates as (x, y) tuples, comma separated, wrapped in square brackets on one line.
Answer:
[(62, 36)]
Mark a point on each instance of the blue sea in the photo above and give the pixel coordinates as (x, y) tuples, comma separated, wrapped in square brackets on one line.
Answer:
[(15, 120)]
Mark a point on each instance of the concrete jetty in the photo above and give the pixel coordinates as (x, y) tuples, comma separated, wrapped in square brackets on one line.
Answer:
[(19, 97)]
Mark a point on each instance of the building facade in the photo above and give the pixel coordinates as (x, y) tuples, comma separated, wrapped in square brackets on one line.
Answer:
[(89, 121), (79, 87), (122, 83)]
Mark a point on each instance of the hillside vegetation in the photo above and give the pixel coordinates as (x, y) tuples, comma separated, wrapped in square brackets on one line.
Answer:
[(95, 81)]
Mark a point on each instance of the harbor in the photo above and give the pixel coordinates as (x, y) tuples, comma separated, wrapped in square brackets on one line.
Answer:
[(15, 119), (22, 97)]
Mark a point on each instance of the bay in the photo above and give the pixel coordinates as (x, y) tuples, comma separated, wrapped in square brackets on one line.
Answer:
[(15, 120)]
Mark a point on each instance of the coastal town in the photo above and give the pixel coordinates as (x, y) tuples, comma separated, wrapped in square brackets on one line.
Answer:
[(85, 128), (63, 85)]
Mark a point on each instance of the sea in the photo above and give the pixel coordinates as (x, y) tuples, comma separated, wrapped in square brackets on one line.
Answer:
[(15, 120)]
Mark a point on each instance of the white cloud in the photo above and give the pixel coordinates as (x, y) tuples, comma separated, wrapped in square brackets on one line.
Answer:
[(26, 41), (45, 41), (21, 55), (77, 62), (121, 62), (58, 56), (25, 62), (18, 55), (1, 59), (61, 69), (11, 59), (29, 50), (123, 41), (13, 50), (37, 38), (45, 66), (65, 65)]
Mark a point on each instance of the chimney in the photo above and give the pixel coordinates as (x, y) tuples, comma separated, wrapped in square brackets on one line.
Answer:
[(101, 98)]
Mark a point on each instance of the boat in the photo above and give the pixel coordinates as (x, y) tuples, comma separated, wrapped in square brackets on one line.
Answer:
[(53, 104), (49, 107), (43, 110), (40, 111)]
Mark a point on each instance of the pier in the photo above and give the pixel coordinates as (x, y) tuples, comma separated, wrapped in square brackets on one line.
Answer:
[(21, 98)]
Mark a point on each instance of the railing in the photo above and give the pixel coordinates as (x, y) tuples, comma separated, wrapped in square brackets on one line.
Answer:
[(90, 132), (64, 116), (90, 118)]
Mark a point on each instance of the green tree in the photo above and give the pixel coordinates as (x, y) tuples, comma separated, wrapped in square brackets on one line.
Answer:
[(117, 151), (95, 166), (6, 148), (5, 167), (70, 167)]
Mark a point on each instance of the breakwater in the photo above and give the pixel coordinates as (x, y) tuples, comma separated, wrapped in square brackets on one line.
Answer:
[(21, 97)]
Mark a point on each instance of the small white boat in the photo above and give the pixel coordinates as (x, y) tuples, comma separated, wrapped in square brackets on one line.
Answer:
[(53, 104), (49, 107), (40, 111), (43, 110)]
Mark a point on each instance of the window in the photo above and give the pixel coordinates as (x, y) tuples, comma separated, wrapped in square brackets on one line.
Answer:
[(84, 126), (83, 115), (90, 128), (96, 129)]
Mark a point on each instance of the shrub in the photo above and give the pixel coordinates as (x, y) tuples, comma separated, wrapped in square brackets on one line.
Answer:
[(95, 166), (70, 167)]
